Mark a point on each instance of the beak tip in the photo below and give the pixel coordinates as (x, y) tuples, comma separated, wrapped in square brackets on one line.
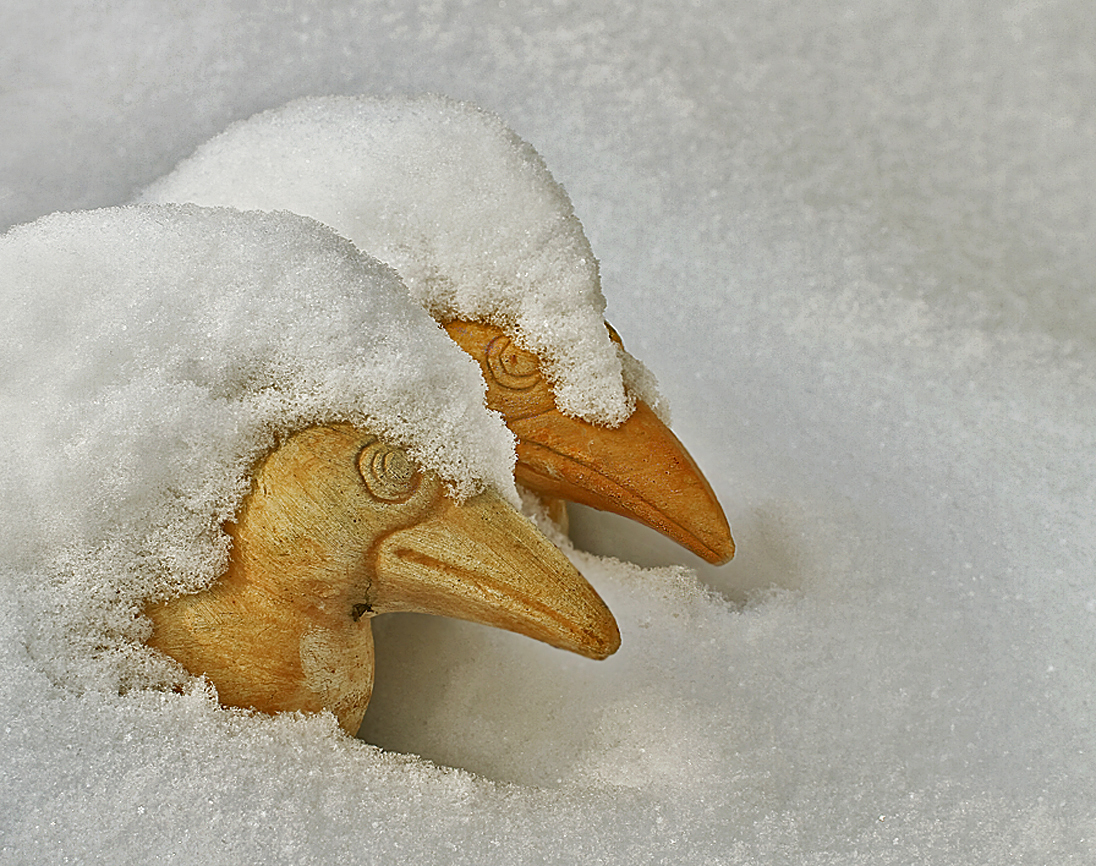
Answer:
[(721, 554), (611, 639), (609, 648), (597, 637), (603, 644)]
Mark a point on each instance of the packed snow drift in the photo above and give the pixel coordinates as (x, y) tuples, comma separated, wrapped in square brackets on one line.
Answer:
[(854, 243)]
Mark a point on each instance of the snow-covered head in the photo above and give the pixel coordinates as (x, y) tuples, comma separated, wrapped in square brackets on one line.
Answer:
[(459, 205), (152, 354)]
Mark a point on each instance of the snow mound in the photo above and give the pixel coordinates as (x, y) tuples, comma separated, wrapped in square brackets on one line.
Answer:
[(445, 193), (151, 356)]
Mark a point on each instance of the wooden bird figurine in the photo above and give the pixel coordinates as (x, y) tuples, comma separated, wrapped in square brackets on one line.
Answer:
[(201, 443), (338, 528), (488, 243)]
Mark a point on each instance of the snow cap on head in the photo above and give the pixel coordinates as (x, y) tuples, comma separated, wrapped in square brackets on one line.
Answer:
[(446, 194), (153, 354)]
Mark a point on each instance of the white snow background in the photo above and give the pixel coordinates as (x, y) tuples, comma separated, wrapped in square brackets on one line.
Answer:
[(855, 243)]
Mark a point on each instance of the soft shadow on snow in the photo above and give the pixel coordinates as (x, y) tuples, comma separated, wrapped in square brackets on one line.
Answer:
[(768, 537)]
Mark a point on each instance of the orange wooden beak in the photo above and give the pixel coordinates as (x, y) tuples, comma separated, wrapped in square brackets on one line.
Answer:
[(639, 469)]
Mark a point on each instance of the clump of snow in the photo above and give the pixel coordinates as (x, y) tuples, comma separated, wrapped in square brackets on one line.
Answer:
[(445, 193), (151, 355)]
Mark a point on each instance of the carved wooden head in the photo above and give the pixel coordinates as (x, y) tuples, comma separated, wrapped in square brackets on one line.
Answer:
[(339, 527)]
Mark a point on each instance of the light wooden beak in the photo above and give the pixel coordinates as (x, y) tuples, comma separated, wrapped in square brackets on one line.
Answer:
[(339, 527), (639, 469), (484, 562)]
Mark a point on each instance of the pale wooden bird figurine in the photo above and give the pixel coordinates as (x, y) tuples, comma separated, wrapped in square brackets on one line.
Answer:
[(488, 243), (199, 444), (338, 528)]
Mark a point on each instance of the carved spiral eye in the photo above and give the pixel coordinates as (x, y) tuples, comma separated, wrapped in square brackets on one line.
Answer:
[(512, 367), (387, 472)]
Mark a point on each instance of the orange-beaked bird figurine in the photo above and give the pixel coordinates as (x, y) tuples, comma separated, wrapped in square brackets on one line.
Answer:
[(488, 243), (639, 469)]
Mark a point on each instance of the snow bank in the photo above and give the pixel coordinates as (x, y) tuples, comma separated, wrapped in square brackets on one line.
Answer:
[(451, 198), (855, 242)]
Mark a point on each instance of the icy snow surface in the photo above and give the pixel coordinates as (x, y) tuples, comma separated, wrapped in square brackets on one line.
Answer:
[(854, 241), (453, 200)]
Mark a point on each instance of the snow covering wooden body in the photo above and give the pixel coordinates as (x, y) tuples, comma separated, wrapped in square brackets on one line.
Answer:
[(487, 242)]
